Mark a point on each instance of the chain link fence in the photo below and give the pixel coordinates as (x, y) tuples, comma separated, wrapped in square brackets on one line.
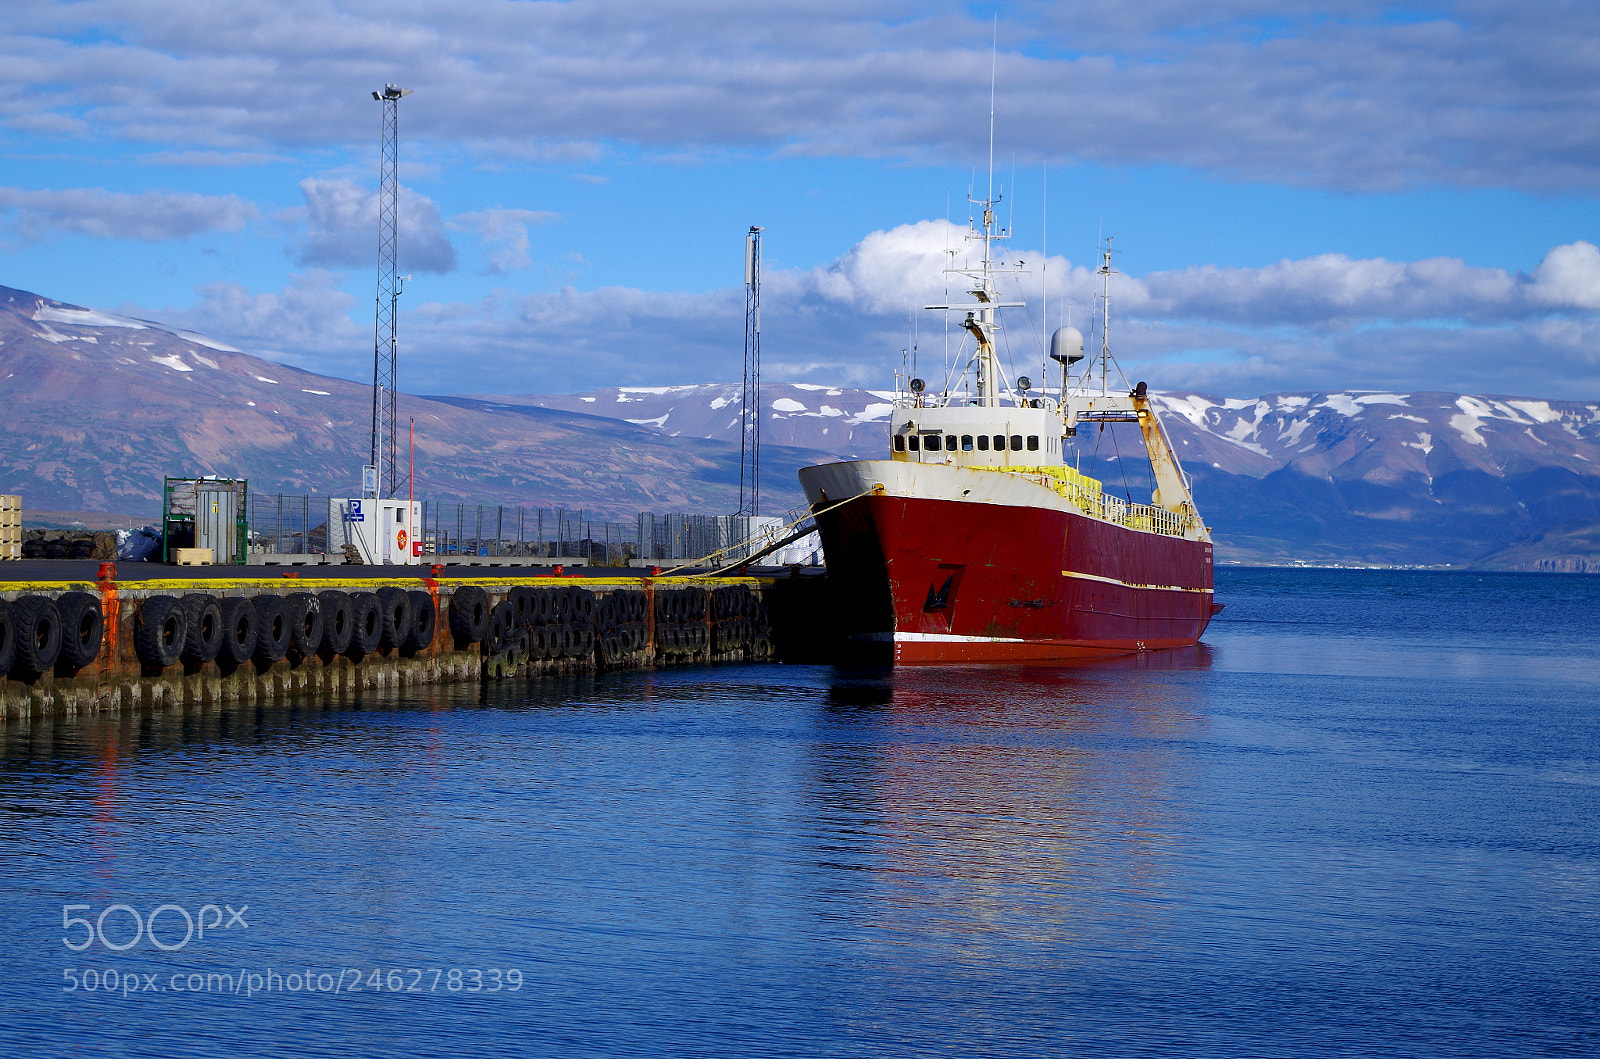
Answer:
[(284, 524)]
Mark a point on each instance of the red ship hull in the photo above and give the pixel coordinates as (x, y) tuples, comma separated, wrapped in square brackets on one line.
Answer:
[(930, 580)]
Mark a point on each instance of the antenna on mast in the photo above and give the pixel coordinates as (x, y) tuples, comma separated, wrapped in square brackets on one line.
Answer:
[(1106, 272), (380, 478), (994, 53), (750, 401)]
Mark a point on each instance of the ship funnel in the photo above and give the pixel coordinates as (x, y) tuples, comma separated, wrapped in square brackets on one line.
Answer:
[(1066, 345)]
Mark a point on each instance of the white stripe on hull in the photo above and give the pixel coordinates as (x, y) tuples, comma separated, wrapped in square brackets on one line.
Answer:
[(934, 637), (1133, 584)]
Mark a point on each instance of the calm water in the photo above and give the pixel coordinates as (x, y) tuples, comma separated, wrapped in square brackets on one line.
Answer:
[(1364, 819)]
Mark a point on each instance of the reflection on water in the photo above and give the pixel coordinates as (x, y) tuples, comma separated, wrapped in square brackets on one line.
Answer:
[(995, 811), (1180, 852), (1006, 804)]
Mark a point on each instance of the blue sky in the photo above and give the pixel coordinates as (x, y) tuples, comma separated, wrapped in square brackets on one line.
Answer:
[(1304, 195)]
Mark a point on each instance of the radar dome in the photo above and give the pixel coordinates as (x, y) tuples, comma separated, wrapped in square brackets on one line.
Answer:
[(1066, 345)]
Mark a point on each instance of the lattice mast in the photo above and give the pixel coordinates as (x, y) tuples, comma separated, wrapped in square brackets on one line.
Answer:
[(384, 479), (750, 400)]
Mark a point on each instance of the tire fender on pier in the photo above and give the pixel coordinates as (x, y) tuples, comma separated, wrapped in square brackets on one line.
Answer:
[(396, 617), (424, 620), (366, 623), (469, 613), (272, 628), (38, 633), (502, 623), (238, 638), (160, 631), (83, 629), (304, 612), (338, 621), (523, 601), (203, 616)]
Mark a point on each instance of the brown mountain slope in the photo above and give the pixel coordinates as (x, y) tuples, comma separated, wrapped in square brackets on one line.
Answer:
[(100, 408)]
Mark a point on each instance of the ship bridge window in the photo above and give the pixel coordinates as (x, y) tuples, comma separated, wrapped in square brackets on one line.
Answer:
[(983, 443), (1016, 443), (949, 443), (999, 443), (933, 442), (966, 443), (913, 442), (899, 443), (1033, 443)]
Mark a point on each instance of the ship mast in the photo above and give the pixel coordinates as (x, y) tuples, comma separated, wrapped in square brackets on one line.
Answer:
[(988, 366), (1106, 272), (981, 321)]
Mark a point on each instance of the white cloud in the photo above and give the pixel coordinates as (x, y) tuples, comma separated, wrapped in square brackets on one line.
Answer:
[(1318, 323), (1332, 289), (1569, 277), (505, 231), (307, 324), (889, 271), (339, 226), (147, 216), (886, 272), (1356, 95)]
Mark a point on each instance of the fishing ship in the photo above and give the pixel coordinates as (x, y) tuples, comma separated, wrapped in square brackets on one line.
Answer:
[(980, 540)]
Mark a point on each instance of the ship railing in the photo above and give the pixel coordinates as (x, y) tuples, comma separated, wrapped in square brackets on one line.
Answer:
[(1089, 501), (1097, 504), (1154, 519)]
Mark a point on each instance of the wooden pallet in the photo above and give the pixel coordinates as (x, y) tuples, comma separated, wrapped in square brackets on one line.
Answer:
[(10, 527)]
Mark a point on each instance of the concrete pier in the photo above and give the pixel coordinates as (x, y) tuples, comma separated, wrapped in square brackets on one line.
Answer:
[(131, 644)]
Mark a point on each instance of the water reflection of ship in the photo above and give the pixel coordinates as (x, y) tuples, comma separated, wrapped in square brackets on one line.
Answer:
[(1039, 805)]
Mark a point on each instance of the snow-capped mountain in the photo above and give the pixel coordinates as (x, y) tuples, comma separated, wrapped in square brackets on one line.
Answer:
[(1385, 435), (1397, 477), (100, 407), (1351, 476), (846, 422), (1316, 432)]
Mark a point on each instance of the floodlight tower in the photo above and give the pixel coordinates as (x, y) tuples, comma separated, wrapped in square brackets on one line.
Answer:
[(385, 339), (750, 402)]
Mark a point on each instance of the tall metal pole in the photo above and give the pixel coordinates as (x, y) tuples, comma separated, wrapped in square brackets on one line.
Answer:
[(385, 338), (1106, 272), (750, 401)]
